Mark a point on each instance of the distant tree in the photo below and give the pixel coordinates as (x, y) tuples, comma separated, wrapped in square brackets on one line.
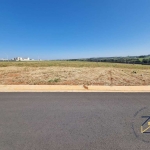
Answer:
[(142, 56), (144, 61), (137, 61)]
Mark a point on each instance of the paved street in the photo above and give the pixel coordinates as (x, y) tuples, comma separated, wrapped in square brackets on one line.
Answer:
[(73, 121)]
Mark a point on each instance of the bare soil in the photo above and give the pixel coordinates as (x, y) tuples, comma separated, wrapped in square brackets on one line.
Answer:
[(55, 75)]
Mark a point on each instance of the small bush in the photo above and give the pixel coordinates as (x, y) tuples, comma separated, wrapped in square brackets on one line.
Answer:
[(134, 72), (54, 80)]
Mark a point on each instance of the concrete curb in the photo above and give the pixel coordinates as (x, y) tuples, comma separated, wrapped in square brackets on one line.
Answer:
[(73, 88)]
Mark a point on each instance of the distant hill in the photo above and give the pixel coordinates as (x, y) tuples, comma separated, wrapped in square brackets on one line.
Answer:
[(143, 59)]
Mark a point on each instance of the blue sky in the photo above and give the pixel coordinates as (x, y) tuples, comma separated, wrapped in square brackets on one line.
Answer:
[(60, 29)]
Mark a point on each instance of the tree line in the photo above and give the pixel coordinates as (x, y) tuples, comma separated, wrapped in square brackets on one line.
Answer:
[(144, 60)]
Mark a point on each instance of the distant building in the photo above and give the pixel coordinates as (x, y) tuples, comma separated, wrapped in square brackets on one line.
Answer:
[(21, 59), (26, 59), (2, 59), (18, 59)]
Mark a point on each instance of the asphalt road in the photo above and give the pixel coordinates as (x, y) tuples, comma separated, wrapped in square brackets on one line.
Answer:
[(73, 121)]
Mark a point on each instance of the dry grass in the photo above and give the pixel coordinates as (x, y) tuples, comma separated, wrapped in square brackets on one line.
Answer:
[(72, 64), (76, 74)]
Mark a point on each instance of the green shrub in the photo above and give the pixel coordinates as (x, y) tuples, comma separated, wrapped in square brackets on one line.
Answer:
[(54, 80)]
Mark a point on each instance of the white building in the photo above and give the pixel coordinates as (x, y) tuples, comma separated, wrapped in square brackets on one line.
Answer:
[(2, 59), (21, 59), (18, 59), (26, 59)]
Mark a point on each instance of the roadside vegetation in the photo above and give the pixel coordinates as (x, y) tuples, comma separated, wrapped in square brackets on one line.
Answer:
[(60, 75), (73, 73)]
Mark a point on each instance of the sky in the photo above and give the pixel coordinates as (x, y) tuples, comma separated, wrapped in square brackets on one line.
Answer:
[(66, 29)]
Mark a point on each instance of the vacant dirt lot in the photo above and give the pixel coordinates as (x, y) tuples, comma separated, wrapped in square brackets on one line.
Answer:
[(14, 75)]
